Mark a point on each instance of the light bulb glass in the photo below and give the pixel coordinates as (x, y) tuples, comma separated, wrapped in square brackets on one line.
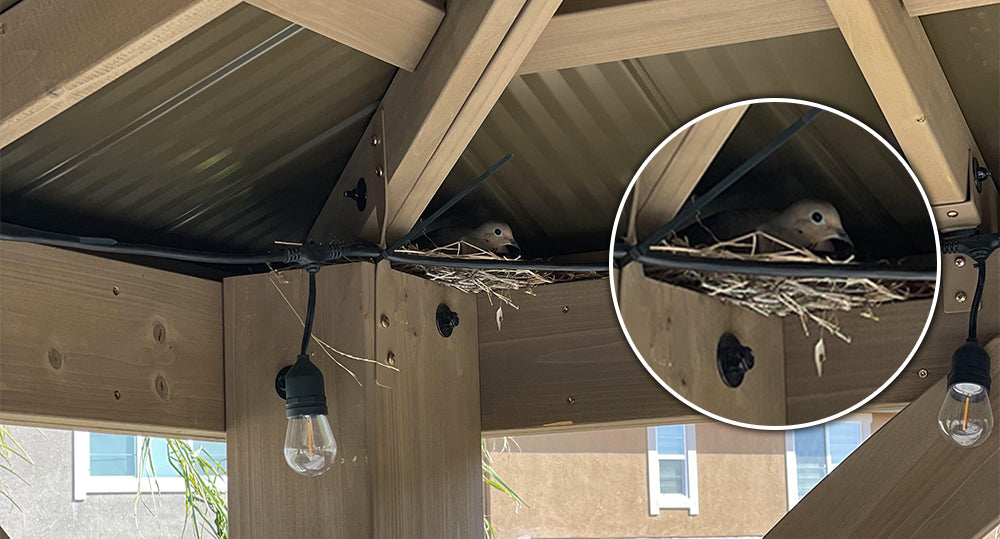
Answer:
[(309, 444), (966, 417)]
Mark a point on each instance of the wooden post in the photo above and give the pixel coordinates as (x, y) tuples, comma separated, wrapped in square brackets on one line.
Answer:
[(408, 462)]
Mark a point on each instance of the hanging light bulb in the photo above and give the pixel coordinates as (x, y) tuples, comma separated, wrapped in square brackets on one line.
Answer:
[(966, 416), (310, 447)]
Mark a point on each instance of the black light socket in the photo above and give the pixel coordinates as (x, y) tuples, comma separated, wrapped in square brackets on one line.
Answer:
[(446, 319), (733, 360), (970, 364), (302, 387)]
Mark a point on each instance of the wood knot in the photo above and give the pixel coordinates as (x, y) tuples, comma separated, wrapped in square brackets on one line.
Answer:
[(159, 333), (55, 359), (161, 387)]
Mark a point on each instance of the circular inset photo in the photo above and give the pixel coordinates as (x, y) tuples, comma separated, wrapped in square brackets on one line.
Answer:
[(772, 260)]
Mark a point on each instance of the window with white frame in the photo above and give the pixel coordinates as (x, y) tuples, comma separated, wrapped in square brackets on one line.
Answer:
[(813, 452), (673, 468), (110, 464)]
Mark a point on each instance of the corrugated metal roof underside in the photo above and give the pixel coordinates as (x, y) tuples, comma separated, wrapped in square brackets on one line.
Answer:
[(176, 153), (578, 135)]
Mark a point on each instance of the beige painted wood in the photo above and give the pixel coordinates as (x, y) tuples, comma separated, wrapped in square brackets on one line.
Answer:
[(431, 114), (929, 7), (394, 31), (561, 362), (97, 344), (902, 70), (586, 32), (267, 499), (677, 332), (907, 480), (57, 52), (852, 371), (406, 208), (672, 174), (428, 480)]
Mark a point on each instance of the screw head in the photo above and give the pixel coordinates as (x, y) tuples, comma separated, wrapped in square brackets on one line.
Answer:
[(960, 296), (570, 400), (565, 309), (384, 321), (115, 290), (960, 262), (379, 171), (952, 213), (391, 359), (118, 394), (922, 373), (375, 140)]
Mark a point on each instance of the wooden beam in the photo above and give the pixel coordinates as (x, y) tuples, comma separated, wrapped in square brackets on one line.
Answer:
[(98, 344), (262, 336), (560, 361), (677, 332), (57, 52), (883, 342), (428, 477), (430, 115), (394, 31), (907, 480), (668, 179), (898, 62), (917, 8)]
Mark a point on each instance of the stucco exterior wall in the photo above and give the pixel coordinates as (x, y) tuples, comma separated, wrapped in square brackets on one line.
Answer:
[(595, 485), (47, 506)]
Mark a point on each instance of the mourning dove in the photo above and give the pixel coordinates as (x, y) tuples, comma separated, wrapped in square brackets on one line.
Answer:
[(810, 224), (493, 236)]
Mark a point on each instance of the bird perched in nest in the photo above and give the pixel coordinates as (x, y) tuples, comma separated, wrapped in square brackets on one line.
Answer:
[(810, 224), (493, 236)]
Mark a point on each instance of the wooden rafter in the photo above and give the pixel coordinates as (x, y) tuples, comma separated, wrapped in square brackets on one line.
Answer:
[(55, 53), (396, 31), (915, 482), (431, 114), (594, 31), (673, 172), (898, 62)]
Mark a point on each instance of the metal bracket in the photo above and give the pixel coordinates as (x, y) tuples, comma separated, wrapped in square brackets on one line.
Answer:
[(967, 213), (958, 282)]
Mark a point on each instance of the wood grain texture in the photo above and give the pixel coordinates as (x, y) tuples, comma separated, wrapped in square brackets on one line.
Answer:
[(420, 107), (501, 69), (428, 480), (57, 52), (898, 62), (585, 32), (394, 31), (677, 332), (561, 362), (907, 480), (929, 7), (268, 499), (97, 344), (667, 181), (877, 351)]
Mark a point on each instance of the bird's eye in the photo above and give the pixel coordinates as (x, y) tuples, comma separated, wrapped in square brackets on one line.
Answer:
[(817, 217), (498, 232)]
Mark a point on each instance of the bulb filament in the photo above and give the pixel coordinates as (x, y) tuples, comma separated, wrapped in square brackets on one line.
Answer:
[(309, 429), (965, 415)]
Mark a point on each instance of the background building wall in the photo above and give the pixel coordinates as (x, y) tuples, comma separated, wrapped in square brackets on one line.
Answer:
[(595, 484), (47, 509)]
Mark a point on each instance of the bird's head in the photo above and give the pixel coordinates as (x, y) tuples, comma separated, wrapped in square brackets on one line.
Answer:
[(817, 226), (496, 237)]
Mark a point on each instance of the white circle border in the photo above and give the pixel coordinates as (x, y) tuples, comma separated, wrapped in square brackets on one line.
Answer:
[(930, 313)]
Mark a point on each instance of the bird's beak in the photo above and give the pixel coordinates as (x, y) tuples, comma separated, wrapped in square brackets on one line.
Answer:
[(512, 250), (841, 235)]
